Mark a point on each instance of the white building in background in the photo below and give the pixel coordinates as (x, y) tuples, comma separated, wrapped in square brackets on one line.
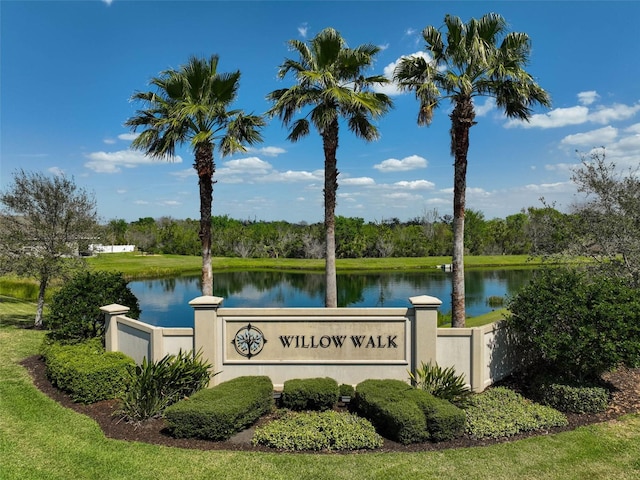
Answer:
[(99, 248)]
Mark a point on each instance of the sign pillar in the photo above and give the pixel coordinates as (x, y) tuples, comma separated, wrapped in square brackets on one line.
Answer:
[(424, 334), (110, 325), (207, 330)]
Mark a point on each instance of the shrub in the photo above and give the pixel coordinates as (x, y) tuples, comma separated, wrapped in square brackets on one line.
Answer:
[(574, 399), (218, 413), (500, 412), (310, 394), (86, 371), (583, 326), (328, 430), (385, 404), (347, 390), (445, 421), (407, 415), (441, 383), (75, 309), (156, 385)]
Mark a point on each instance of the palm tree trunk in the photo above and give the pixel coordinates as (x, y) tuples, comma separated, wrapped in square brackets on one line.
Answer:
[(461, 121), (330, 144), (205, 167)]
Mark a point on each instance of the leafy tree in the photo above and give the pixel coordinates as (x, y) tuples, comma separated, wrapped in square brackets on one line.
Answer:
[(191, 105), (547, 230), (116, 230), (75, 310), (471, 62), (330, 80), (475, 232), (606, 227), (42, 222)]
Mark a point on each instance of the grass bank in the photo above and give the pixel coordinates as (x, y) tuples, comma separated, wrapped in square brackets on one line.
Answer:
[(40, 439), (134, 265)]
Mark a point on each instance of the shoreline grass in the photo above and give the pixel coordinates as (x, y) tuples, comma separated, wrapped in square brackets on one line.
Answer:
[(41, 439), (136, 266)]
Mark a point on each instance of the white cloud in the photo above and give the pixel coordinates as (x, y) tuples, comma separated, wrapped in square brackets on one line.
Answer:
[(601, 136), (295, 176), (358, 181), (111, 162), (577, 115), (562, 167), (57, 171), (268, 151), (121, 191), (488, 106), (615, 112), (302, 30), (558, 117), (415, 185), (408, 163), (171, 203), (128, 136), (109, 141), (549, 187), (251, 165), (635, 128), (587, 98), (187, 172)]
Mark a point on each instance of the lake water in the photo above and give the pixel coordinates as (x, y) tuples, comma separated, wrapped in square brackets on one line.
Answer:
[(165, 302)]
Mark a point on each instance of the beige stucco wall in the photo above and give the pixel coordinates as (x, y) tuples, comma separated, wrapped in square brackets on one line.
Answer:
[(347, 344)]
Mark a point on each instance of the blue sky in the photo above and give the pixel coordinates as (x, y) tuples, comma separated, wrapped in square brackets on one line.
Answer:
[(68, 70)]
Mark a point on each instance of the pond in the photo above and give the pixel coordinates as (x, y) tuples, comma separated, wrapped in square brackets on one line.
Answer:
[(165, 302)]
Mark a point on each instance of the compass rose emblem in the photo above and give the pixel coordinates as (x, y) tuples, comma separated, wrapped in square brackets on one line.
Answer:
[(249, 341)]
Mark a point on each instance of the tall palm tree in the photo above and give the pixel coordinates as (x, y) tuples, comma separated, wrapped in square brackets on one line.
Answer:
[(479, 58), (191, 105), (330, 81)]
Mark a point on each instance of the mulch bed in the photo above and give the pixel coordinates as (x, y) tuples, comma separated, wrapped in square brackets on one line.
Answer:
[(625, 399)]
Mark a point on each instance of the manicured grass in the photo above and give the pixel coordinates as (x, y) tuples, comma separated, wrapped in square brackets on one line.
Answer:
[(40, 439), (14, 311)]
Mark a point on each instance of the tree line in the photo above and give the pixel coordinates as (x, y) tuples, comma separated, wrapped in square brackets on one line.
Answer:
[(430, 234)]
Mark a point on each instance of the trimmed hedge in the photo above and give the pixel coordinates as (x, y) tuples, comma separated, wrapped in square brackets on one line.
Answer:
[(445, 421), (310, 394), (407, 415), (218, 413), (86, 371), (574, 399)]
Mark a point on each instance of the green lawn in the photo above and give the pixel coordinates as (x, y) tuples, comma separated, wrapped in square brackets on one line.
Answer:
[(39, 439)]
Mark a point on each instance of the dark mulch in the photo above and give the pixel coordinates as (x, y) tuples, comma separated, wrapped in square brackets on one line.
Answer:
[(625, 399)]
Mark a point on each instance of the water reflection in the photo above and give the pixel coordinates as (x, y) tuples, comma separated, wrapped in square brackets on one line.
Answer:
[(165, 301)]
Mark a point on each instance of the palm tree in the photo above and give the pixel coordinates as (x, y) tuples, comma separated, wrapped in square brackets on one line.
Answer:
[(330, 80), (191, 105), (479, 58)]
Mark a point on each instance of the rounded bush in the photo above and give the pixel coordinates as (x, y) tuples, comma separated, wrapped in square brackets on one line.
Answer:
[(310, 393), (75, 313), (581, 326)]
